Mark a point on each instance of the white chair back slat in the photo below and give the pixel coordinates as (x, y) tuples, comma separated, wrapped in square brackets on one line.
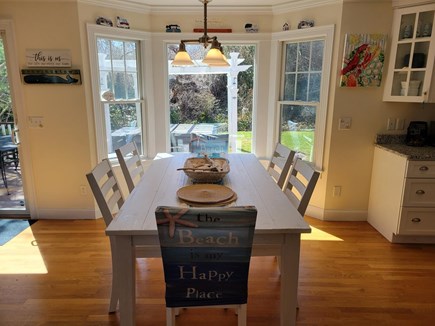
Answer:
[(130, 163), (280, 164), (300, 185)]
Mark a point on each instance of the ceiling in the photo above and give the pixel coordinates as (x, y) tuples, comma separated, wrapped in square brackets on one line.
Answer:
[(219, 5), (214, 2)]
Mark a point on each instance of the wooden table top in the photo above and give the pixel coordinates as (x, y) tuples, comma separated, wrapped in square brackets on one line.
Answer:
[(247, 177)]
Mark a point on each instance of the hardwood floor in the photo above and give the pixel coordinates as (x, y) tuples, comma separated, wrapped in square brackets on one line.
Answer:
[(58, 273)]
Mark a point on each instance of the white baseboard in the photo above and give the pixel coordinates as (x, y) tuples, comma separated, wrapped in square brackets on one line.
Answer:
[(336, 215), (66, 214)]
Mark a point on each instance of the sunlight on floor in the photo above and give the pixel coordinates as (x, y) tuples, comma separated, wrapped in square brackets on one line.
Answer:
[(317, 234), (21, 255)]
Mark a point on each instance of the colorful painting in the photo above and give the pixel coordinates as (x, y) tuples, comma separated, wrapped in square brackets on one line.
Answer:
[(363, 60)]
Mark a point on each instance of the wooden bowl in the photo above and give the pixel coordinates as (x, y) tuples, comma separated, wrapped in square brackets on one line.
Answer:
[(206, 170)]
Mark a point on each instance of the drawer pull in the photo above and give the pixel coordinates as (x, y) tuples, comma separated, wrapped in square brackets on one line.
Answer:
[(416, 220), (423, 168), (420, 192)]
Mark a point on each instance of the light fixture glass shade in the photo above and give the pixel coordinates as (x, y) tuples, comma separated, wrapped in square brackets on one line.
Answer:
[(182, 58), (215, 57)]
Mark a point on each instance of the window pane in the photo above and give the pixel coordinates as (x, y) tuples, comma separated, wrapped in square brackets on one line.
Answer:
[(117, 50), (104, 55), (130, 52), (314, 88), (302, 87), (304, 56), (289, 87), (291, 57), (119, 85), (123, 125), (317, 56), (297, 129)]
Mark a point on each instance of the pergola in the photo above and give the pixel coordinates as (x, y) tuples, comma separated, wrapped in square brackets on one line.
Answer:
[(232, 72)]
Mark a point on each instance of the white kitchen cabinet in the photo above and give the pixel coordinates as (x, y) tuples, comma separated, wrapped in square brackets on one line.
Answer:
[(409, 76), (402, 198)]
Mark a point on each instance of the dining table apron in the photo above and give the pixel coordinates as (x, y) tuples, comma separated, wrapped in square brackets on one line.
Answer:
[(277, 232)]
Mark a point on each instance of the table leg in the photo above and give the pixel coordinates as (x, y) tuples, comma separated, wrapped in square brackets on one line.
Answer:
[(127, 293), (289, 278)]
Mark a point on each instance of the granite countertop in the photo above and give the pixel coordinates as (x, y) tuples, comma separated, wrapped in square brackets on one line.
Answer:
[(396, 144)]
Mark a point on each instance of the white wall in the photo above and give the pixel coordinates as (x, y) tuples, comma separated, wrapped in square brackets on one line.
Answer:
[(350, 152)]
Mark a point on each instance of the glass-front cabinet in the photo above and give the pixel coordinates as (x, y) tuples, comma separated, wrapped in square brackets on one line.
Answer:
[(409, 77)]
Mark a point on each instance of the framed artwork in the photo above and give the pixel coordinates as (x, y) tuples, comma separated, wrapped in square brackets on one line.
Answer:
[(363, 60)]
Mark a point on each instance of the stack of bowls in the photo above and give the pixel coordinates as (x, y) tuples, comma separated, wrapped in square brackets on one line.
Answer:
[(414, 85)]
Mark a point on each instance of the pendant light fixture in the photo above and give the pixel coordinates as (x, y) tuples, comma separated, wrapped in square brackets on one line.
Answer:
[(214, 57)]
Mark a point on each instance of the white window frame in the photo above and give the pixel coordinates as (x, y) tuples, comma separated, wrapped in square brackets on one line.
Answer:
[(210, 70), (143, 39), (325, 33)]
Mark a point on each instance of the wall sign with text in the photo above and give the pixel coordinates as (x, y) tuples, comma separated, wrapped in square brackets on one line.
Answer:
[(206, 254), (48, 58)]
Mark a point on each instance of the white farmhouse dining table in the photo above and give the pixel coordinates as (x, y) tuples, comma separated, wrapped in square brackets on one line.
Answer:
[(277, 231)]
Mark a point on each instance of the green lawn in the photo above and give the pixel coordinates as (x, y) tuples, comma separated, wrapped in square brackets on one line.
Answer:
[(296, 140)]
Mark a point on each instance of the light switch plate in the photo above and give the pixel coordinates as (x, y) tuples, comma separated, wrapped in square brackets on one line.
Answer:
[(36, 122), (344, 123)]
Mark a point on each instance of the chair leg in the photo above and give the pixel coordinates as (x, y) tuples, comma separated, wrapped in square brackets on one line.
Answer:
[(114, 295), (170, 316), (241, 315), (4, 177)]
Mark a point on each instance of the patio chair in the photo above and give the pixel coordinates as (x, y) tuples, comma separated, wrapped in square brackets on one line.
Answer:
[(300, 185), (131, 164), (8, 153), (280, 163), (206, 254)]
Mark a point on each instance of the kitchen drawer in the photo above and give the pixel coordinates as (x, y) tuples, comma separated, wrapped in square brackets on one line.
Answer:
[(417, 221), (419, 192), (421, 169)]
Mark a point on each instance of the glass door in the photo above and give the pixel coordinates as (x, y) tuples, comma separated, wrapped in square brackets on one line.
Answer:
[(12, 201)]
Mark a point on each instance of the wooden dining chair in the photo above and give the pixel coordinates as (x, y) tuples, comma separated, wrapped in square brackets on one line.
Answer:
[(206, 254), (280, 163), (131, 164), (109, 198), (300, 184)]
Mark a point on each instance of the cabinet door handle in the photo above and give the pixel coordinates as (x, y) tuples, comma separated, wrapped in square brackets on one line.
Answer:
[(423, 168), (420, 192), (416, 220)]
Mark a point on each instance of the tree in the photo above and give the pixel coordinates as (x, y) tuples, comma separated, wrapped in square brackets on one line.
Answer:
[(192, 100)]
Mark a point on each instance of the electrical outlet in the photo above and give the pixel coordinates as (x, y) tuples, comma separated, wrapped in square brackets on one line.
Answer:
[(400, 124), (336, 191), (83, 190), (391, 124)]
